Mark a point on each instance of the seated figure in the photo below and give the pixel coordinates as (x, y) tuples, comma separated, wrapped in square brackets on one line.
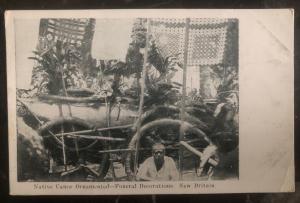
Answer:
[(158, 167)]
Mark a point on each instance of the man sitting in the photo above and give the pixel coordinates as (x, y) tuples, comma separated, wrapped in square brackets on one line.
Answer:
[(158, 167)]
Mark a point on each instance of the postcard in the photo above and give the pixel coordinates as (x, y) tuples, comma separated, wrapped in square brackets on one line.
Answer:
[(178, 101)]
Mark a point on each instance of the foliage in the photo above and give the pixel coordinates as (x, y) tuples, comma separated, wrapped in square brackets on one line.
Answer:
[(52, 64)]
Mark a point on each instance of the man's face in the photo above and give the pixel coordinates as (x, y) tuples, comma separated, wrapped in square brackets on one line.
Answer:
[(158, 154), (89, 82)]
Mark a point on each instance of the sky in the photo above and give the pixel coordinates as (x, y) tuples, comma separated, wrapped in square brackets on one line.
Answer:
[(26, 32), (111, 40)]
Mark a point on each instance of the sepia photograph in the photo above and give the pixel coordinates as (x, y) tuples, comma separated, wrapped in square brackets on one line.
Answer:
[(82, 118), (126, 101)]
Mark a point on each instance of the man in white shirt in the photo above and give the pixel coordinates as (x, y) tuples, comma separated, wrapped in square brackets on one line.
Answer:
[(158, 167)]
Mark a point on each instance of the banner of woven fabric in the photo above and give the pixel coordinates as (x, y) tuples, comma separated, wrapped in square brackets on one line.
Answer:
[(207, 38)]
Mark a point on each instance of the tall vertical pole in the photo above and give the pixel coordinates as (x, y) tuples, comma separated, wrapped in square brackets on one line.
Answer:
[(200, 91), (63, 138), (182, 111), (141, 104), (224, 77)]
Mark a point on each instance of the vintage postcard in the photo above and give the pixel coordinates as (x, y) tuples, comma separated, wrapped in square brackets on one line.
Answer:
[(106, 102)]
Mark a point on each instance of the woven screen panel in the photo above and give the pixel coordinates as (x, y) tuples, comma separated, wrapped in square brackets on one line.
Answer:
[(169, 36), (207, 39), (206, 46)]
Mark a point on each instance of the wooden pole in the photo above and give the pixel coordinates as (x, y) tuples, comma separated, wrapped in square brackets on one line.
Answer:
[(108, 120), (182, 110), (61, 114), (62, 138), (199, 92), (96, 130), (102, 138), (141, 104)]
